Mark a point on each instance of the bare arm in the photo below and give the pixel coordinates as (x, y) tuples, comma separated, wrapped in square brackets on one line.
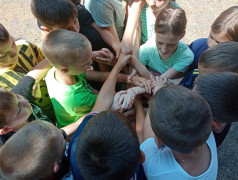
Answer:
[(40, 70), (106, 94), (171, 73), (141, 69), (70, 129), (147, 129), (108, 37), (133, 17), (140, 118)]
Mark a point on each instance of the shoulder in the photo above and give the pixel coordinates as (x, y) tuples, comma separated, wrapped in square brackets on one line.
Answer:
[(184, 50)]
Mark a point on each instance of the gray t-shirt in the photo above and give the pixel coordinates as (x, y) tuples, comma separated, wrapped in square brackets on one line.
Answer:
[(107, 13)]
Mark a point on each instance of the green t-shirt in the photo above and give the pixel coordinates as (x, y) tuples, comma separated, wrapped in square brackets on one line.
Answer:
[(70, 102), (180, 60)]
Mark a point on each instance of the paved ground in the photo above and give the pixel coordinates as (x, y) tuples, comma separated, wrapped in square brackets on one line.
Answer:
[(17, 18)]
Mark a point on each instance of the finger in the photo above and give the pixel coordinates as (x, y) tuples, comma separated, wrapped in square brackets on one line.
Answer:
[(121, 100)]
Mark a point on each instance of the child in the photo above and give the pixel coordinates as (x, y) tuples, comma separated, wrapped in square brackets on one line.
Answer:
[(148, 15), (166, 55), (220, 58), (220, 91), (183, 147), (224, 28), (70, 54), (41, 146), (63, 14), (119, 154), (17, 105), (16, 60)]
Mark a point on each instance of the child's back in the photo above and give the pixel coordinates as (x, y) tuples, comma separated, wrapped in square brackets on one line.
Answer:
[(181, 120)]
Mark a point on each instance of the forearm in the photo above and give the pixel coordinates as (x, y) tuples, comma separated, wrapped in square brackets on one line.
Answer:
[(133, 17), (141, 69), (70, 129), (106, 94), (137, 90), (171, 73), (108, 37), (140, 118), (102, 76), (147, 129), (40, 70)]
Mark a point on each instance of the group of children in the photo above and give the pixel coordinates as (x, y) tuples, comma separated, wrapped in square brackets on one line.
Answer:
[(56, 122)]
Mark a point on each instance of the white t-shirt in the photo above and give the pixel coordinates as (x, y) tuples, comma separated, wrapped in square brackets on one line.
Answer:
[(161, 164)]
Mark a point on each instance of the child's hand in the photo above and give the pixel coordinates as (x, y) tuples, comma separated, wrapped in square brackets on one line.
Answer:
[(105, 56), (126, 48), (123, 61), (141, 82), (159, 83), (115, 105), (126, 101), (133, 73)]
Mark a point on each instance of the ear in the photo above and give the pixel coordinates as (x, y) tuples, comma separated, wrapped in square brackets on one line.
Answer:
[(5, 130), (142, 156), (64, 69), (43, 28), (159, 142), (56, 167)]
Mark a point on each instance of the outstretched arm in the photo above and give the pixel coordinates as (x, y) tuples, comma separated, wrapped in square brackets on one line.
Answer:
[(133, 17), (106, 94)]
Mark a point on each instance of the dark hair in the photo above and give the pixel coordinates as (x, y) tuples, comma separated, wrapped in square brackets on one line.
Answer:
[(4, 34), (227, 23), (6, 105), (180, 117), (222, 57), (108, 148), (171, 20), (221, 92), (31, 152), (53, 12)]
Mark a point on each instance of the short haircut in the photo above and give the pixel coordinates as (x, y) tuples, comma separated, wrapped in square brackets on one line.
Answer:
[(4, 34), (63, 47), (180, 117), (31, 152), (227, 23), (53, 12), (221, 92), (108, 148), (6, 105), (222, 57), (171, 20)]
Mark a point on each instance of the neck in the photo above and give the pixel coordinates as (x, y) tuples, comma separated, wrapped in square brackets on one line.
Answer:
[(65, 78), (194, 156)]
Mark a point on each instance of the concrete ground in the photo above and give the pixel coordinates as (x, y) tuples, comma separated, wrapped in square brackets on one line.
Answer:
[(17, 18)]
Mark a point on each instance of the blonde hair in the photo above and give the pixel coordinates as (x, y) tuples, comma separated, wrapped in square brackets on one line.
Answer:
[(63, 47), (31, 152), (227, 23)]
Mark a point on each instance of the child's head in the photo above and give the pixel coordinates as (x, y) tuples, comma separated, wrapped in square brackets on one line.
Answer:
[(56, 14), (68, 51), (157, 5), (14, 111), (34, 152), (221, 92), (220, 58), (180, 118), (8, 49), (170, 27), (108, 148), (225, 27)]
